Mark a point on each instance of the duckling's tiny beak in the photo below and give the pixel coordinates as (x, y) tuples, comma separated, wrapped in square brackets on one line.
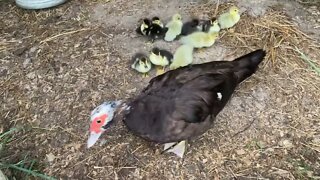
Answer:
[(93, 138)]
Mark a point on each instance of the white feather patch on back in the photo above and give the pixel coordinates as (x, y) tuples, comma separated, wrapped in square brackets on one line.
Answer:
[(219, 95)]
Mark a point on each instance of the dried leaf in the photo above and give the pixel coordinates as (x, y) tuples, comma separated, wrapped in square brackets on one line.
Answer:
[(50, 157), (240, 152), (286, 143)]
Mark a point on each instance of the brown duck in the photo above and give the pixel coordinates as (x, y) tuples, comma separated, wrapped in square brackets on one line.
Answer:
[(180, 104)]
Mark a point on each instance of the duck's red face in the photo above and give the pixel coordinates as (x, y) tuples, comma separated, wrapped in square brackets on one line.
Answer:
[(101, 117), (97, 123)]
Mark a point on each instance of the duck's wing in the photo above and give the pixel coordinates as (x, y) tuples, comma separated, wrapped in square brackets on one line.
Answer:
[(166, 114), (242, 67), (182, 103)]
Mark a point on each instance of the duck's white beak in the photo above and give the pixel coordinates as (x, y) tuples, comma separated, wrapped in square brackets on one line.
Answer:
[(93, 138)]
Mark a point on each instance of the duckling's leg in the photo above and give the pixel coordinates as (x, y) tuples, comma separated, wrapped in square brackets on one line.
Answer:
[(163, 69), (151, 40), (145, 75), (231, 30), (199, 50), (160, 70), (172, 67), (176, 148)]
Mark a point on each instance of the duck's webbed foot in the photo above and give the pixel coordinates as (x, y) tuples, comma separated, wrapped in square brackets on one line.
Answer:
[(178, 148), (145, 75), (160, 70)]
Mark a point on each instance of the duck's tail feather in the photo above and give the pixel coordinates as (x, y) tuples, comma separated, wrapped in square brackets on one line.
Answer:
[(248, 64)]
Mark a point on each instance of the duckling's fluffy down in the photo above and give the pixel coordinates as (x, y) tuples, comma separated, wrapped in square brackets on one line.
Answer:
[(200, 39), (174, 28), (182, 57)]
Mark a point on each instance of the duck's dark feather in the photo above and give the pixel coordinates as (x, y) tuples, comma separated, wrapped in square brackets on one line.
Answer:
[(183, 103)]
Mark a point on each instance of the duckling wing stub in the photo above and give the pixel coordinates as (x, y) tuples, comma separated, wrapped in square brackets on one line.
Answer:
[(189, 27), (167, 54)]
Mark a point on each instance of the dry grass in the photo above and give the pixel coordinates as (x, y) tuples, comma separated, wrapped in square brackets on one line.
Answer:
[(56, 65)]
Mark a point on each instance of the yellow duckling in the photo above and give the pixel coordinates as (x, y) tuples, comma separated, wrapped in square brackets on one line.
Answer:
[(200, 39), (174, 28), (182, 57), (160, 58), (214, 26), (229, 19), (141, 63)]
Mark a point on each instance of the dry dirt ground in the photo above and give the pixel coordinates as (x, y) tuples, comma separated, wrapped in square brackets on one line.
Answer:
[(56, 65)]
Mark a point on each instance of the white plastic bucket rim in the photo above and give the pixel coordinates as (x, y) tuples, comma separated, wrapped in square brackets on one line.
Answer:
[(38, 4)]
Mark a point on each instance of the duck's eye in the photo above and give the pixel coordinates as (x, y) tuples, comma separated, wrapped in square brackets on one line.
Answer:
[(99, 121), (114, 104)]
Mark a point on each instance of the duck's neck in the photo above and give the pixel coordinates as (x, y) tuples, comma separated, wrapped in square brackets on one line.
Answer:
[(120, 109)]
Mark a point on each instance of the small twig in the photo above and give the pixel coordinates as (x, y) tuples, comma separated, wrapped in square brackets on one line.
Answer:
[(217, 7), (310, 147), (62, 34), (98, 55), (56, 128), (126, 167), (251, 177), (234, 175), (102, 167), (298, 129), (85, 159), (136, 149), (246, 128), (318, 145)]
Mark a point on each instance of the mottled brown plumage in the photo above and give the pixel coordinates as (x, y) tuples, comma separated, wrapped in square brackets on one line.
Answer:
[(183, 103)]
